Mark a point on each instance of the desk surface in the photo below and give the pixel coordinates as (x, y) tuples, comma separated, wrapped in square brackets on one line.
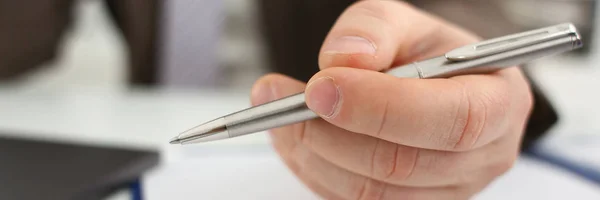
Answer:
[(136, 119)]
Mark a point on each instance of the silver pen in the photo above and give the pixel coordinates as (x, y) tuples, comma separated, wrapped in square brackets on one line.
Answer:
[(483, 57)]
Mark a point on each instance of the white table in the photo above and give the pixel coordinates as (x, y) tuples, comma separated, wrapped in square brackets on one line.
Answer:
[(134, 119)]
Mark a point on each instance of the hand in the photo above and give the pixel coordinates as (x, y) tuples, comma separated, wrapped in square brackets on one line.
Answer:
[(383, 137)]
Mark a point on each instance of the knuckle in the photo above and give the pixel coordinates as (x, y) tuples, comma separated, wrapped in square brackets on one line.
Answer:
[(390, 168), (469, 118), (462, 118), (481, 110), (475, 118)]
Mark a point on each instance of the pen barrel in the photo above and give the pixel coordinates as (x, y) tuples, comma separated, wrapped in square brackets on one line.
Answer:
[(282, 112)]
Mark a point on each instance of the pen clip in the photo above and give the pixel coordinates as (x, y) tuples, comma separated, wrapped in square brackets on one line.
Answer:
[(511, 42)]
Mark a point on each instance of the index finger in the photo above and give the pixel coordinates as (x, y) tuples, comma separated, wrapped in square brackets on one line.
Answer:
[(376, 35)]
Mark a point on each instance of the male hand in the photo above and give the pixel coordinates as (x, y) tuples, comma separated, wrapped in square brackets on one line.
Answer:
[(383, 137)]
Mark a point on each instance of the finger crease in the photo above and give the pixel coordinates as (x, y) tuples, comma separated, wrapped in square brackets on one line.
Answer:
[(414, 164), (302, 134), (373, 158), (468, 119), (298, 145), (381, 192), (395, 160), (363, 188), (456, 120), (480, 129), (383, 119)]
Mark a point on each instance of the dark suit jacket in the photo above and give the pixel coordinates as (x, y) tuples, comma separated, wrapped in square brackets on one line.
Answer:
[(31, 32)]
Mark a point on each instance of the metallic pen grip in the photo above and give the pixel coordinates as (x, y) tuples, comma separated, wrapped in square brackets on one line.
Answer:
[(286, 111)]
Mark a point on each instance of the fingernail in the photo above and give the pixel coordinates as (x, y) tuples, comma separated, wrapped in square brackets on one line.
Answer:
[(323, 96), (350, 45), (262, 93)]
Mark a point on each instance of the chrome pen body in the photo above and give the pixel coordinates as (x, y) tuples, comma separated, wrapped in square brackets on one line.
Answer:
[(484, 57)]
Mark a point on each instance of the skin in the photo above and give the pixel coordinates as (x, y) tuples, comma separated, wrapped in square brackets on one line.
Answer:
[(383, 137)]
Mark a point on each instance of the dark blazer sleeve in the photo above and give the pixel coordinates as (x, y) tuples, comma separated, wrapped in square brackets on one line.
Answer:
[(542, 118), (294, 30)]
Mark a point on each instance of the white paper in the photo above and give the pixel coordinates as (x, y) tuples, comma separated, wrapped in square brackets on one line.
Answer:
[(255, 172)]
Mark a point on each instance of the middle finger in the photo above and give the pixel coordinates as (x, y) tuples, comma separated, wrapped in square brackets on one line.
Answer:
[(403, 165)]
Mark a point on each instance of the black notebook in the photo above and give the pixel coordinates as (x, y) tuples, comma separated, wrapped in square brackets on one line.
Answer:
[(43, 170)]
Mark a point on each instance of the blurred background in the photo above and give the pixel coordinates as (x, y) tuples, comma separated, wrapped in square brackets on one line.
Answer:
[(91, 90)]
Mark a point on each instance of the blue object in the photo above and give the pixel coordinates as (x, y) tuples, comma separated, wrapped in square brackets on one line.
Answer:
[(581, 170), (136, 190)]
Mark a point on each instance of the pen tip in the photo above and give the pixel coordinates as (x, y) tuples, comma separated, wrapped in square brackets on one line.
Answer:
[(175, 140)]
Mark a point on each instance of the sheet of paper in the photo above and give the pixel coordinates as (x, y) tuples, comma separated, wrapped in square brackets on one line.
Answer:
[(255, 172)]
